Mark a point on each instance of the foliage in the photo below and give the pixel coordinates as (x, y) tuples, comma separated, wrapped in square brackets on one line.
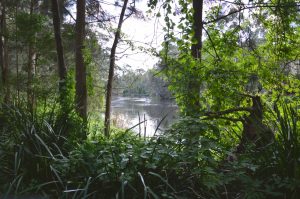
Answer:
[(141, 83), (29, 25), (190, 160), (29, 144), (249, 49), (237, 47)]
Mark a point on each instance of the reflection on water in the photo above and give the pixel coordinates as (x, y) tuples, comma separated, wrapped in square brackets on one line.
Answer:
[(129, 111)]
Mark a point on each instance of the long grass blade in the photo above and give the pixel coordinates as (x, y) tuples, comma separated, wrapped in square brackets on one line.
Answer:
[(144, 185)]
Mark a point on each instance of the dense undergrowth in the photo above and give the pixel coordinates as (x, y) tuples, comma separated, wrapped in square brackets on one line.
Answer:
[(42, 154)]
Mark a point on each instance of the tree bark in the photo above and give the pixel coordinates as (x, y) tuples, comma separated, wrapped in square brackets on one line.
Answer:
[(81, 89), (4, 54), (61, 4), (62, 71), (254, 130), (111, 72), (197, 26)]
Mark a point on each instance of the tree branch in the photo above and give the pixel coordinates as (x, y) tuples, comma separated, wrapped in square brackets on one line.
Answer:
[(69, 13), (212, 43), (228, 111), (248, 8), (224, 118)]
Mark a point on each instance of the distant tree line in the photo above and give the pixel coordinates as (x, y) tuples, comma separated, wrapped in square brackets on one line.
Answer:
[(142, 83)]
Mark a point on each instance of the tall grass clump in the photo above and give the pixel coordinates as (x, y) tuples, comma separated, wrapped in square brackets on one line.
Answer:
[(279, 163), (30, 143)]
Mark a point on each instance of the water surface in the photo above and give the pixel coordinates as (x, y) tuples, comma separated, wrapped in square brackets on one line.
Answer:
[(155, 115)]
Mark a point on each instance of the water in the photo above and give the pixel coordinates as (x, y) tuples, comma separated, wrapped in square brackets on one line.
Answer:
[(130, 111)]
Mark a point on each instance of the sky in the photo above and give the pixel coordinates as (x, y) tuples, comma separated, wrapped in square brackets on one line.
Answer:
[(146, 32)]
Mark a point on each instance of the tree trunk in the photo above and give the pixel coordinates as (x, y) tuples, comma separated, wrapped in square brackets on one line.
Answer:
[(31, 66), (81, 89), (197, 26), (62, 71), (194, 86), (61, 4), (17, 58), (2, 21), (4, 54), (111, 72), (254, 130), (30, 75)]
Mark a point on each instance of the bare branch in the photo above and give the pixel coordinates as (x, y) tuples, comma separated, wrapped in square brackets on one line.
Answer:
[(69, 13)]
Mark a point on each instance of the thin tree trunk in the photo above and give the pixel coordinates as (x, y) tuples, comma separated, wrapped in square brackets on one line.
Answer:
[(17, 57), (30, 75), (62, 71), (111, 72), (31, 67), (1, 46), (193, 104), (81, 89), (2, 21), (4, 54)]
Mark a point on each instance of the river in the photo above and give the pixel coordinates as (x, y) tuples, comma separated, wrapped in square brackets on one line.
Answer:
[(153, 114)]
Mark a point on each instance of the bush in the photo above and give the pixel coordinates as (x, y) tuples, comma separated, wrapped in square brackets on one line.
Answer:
[(190, 160)]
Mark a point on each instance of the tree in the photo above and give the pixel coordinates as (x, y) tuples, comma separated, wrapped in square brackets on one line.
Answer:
[(81, 89), (197, 28), (62, 71), (194, 83), (4, 53), (111, 71), (31, 65), (252, 68), (244, 42), (184, 71)]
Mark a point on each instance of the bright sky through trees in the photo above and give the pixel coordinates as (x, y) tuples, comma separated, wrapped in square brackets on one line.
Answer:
[(144, 30)]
